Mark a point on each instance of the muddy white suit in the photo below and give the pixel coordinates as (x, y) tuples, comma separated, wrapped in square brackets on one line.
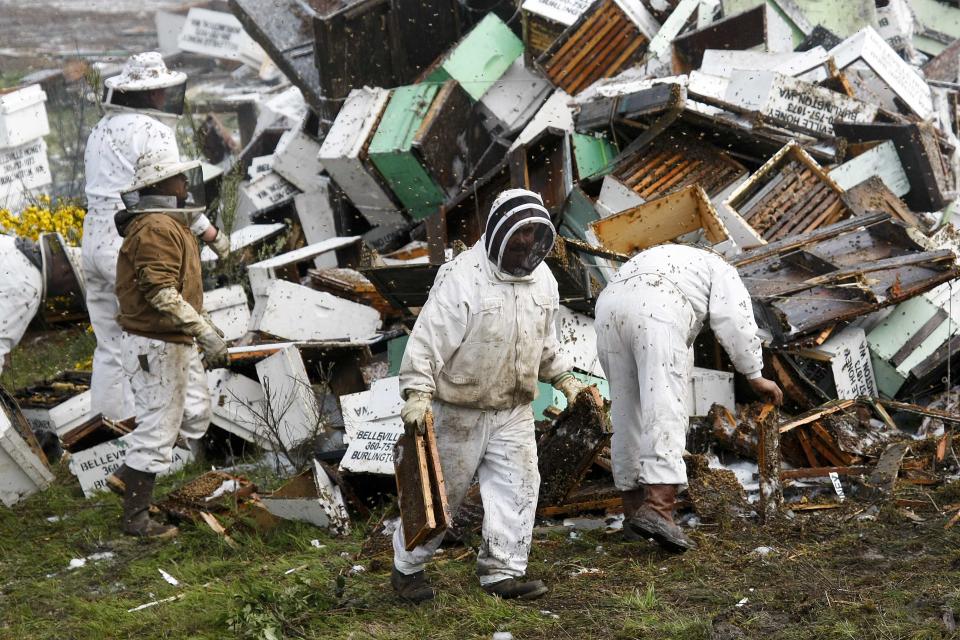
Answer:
[(646, 320), (479, 345), (113, 147), (21, 288)]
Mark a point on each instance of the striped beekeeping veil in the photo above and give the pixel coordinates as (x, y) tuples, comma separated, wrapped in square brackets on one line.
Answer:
[(512, 211)]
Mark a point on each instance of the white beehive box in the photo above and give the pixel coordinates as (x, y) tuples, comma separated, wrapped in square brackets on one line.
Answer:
[(67, 415), (295, 312), (22, 474), (238, 405), (343, 154), (373, 425), (23, 116), (228, 309), (23, 171)]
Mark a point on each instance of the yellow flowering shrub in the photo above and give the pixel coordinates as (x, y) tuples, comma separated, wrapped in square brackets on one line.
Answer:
[(61, 215)]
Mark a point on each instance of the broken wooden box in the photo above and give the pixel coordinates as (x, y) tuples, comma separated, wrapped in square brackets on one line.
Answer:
[(685, 215), (311, 497), (607, 38), (97, 449), (59, 404), (23, 466), (804, 283), (545, 20), (788, 195)]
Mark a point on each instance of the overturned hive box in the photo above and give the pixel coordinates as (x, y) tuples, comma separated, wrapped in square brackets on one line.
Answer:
[(674, 160), (609, 37), (671, 217), (789, 195)]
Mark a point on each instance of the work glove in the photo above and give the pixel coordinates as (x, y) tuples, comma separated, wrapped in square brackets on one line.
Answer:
[(220, 245), (569, 386), (169, 301), (414, 412), (211, 343)]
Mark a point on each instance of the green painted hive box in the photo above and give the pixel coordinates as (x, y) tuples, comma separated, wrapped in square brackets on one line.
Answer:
[(391, 150), (481, 57)]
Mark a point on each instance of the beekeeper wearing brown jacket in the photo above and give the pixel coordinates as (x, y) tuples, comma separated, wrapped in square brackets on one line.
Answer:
[(160, 294)]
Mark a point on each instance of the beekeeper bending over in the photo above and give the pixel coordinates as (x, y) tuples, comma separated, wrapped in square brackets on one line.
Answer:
[(484, 337), (160, 290), (142, 106), (646, 319)]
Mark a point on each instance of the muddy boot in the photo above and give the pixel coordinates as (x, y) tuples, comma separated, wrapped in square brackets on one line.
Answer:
[(632, 501), (136, 507), (512, 588), (654, 519), (412, 588), (117, 481)]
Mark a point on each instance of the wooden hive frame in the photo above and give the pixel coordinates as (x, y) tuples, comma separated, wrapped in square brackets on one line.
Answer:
[(789, 195), (604, 41)]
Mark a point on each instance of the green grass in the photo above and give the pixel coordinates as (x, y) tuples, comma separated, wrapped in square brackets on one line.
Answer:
[(818, 584), (43, 354), (831, 575)]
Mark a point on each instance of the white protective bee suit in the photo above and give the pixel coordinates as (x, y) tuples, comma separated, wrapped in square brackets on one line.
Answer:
[(647, 318), (21, 288), (121, 137), (478, 347)]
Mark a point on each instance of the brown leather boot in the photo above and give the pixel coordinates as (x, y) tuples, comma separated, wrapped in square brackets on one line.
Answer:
[(654, 519), (632, 502), (136, 507)]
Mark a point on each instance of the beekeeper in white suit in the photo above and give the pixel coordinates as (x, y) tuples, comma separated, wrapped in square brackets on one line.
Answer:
[(160, 292), (142, 105), (647, 318), (21, 288), (484, 337)]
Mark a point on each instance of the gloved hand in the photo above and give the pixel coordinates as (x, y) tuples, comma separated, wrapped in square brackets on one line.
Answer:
[(568, 385), (414, 412), (169, 301), (210, 340), (220, 245)]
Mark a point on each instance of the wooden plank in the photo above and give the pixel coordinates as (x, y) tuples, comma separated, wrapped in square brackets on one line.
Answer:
[(816, 414), (768, 459), (884, 475), (438, 487), (923, 411), (821, 472), (579, 507), (808, 451)]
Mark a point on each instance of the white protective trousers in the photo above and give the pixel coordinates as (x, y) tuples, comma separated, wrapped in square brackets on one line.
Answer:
[(21, 287), (109, 387), (500, 447), (171, 397), (643, 324)]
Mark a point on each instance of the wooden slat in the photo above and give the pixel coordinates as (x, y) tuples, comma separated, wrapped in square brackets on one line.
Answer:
[(819, 472), (438, 487)]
